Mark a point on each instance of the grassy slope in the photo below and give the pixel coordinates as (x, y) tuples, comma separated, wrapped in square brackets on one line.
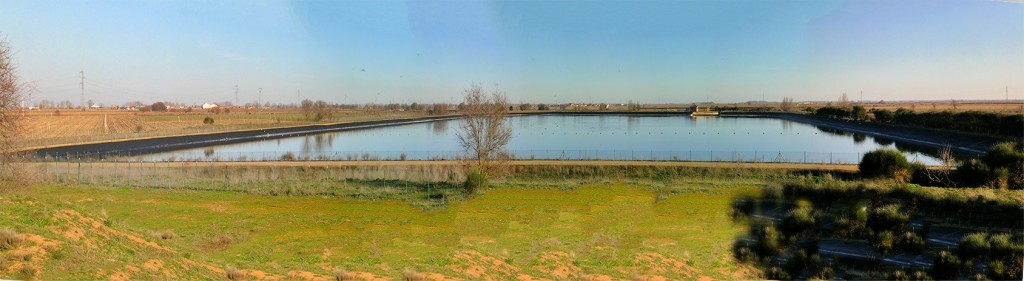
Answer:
[(602, 229)]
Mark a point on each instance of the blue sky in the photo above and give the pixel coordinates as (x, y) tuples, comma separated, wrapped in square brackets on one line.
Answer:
[(536, 51)]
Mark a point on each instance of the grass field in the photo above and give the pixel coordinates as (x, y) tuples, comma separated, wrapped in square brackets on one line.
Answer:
[(598, 231)]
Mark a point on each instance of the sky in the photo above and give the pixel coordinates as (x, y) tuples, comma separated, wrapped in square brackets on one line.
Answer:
[(534, 51)]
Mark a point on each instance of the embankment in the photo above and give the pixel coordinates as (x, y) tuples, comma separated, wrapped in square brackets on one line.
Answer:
[(957, 142), (154, 145)]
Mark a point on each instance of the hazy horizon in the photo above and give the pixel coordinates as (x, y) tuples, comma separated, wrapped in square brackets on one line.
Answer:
[(565, 51)]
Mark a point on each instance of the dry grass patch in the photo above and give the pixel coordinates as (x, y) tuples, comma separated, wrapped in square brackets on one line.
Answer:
[(9, 239), (233, 273), (340, 274), (218, 242), (164, 235), (410, 274)]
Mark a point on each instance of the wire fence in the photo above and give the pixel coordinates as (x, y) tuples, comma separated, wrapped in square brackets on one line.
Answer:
[(230, 176), (737, 156)]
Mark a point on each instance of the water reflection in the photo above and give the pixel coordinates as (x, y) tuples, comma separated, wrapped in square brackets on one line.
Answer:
[(859, 138), (439, 127), (317, 143), (632, 122)]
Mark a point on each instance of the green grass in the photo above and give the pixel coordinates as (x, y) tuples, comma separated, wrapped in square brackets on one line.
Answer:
[(600, 228)]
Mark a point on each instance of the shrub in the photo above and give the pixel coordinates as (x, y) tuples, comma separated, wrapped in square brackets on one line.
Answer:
[(911, 242), (888, 217), (883, 241), (475, 181), (164, 235), (1009, 156), (776, 273), (208, 120), (1005, 154), (218, 242), (340, 274), (973, 173), (288, 156), (234, 273), (798, 220), (768, 241), (886, 163), (410, 274), (946, 266), (1002, 246), (973, 245), (9, 239)]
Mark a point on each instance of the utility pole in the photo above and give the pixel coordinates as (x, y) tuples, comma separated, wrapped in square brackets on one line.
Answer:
[(236, 95), (81, 84), (862, 97), (259, 99), (1007, 94)]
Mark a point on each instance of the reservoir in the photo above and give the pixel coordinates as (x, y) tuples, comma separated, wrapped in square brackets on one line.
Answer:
[(575, 137)]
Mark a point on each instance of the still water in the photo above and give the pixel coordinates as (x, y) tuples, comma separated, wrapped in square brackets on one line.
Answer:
[(606, 137)]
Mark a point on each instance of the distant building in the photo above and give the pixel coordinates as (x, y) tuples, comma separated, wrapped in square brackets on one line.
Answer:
[(210, 105)]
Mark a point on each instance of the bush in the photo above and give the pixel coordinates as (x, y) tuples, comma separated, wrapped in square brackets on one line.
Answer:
[(340, 274), (234, 273), (888, 217), (208, 120), (1007, 156), (288, 156), (973, 246), (768, 242), (973, 173), (886, 163), (9, 239), (884, 241), (946, 266), (1002, 246), (475, 181), (797, 221), (911, 242)]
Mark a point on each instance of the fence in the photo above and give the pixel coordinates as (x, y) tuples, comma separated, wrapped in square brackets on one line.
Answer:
[(317, 179), (210, 155)]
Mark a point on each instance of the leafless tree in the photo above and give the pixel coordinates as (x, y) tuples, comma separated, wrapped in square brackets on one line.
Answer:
[(10, 125), (787, 104), (316, 111), (943, 174), (484, 132)]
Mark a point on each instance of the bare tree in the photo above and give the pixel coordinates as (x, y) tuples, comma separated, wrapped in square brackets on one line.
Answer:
[(10, 125), (316, 111), (943, 174), (484, 132), (787, 104)]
